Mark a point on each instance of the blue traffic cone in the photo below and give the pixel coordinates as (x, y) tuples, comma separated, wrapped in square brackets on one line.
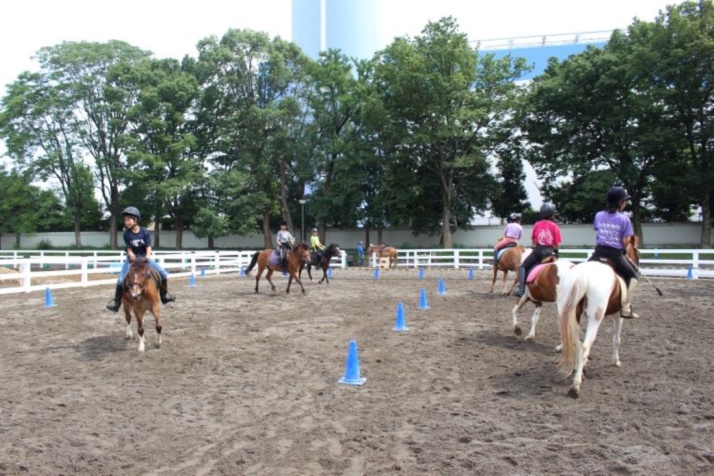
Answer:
[(376, 273), (421, 273), (329, 273), (352, 367), (442, 287), (48, 298), (423, 305), (471, 273), (192, 281), (203, 271), (241, 271), (690, 273), (400, 323)]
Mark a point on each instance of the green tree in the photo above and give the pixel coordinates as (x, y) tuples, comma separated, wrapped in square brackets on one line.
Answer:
[(442, 98), (100, 108)]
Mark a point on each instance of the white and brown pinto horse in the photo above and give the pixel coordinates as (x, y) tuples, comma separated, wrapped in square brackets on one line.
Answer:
[(510, 260), (544, 284), (592, 287)]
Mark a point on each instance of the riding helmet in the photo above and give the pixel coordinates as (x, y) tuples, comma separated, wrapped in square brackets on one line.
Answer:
[(132, 211), (515, 216), (615, 195), (283, 222), (314, 230), (547, 210)]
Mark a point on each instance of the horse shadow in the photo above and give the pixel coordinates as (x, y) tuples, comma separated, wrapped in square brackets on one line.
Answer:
[(512, 342), (96, 349)]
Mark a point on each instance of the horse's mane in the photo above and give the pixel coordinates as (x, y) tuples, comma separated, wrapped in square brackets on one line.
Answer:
[(139, 262)]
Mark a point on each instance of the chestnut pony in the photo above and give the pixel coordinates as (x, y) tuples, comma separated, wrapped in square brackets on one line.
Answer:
[(323, 263), (268, 259), (592, 287), (141, 294), (388, 252), (510, 260)]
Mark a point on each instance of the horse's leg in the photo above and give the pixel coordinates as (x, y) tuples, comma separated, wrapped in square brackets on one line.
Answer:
[(300, 283), (495, 274), (515, 283), (324, 275), (127, 316), (505, 277), (257, 277), (514, 313), (140, 323), (268, 275), (290, 281), (534, 319), (156, 311), (595, 316), (616, 341)]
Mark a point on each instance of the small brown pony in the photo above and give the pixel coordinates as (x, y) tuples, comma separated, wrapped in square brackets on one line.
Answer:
[(322, 263), (295, 258), (141, 294), (593, 288), (388, 252), (510, 260)]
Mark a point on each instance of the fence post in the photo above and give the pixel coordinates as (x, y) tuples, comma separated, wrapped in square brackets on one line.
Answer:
[(217, 259), (85, 271), (26, 270), (695, 264), (456, 259)]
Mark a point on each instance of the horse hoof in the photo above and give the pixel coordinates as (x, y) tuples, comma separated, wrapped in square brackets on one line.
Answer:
[(573, 393), (517, 330)]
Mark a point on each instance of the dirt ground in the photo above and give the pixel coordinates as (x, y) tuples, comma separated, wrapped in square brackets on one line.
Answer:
[(247, 384)]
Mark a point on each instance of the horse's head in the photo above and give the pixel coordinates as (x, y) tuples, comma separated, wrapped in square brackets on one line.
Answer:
[(136, 278), (303, 251), (633, 249), (333, 250)]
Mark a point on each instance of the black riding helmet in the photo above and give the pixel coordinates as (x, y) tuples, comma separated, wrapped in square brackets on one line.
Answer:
[(283, 222), (615, 195), (132, 212), (547, 210)]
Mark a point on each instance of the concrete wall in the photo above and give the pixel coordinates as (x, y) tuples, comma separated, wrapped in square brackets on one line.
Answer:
[(678, 235)]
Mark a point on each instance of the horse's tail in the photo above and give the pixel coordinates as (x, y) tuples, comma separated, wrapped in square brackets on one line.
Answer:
[(574, 290), (253, 260)]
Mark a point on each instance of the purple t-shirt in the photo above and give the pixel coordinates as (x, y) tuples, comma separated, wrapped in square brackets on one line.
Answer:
[(612, 228), (513, 230)]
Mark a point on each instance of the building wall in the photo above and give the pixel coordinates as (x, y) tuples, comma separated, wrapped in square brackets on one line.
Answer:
[(685, 235)]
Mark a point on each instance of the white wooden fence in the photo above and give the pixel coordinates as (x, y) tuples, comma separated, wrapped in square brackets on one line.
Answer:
[(39, 270)]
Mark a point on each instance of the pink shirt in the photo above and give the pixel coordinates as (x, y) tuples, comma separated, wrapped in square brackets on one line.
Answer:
[(546, 233)]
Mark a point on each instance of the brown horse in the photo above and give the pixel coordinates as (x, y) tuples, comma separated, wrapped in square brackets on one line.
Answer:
[(141, 294), (388, 252), (591, 287), (510, 260), (323, 262), (269, 259)]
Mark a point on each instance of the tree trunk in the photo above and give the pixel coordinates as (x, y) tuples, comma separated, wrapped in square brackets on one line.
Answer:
[(211, 243), (179, 232), (284, 197), (157, 232), (366, 237), (706, 240), (379, 236), (77, 229), (114, 212), (267, 236), (446, 226)]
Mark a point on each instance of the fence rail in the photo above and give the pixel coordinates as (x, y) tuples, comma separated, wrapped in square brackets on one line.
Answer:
[(38, 270)]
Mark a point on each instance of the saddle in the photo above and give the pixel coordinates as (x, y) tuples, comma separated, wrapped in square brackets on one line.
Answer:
[(533, 272)]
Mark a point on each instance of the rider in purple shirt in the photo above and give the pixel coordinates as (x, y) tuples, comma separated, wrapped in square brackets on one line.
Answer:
[(613, 230)]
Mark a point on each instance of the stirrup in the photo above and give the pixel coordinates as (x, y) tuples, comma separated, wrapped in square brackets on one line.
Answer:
[(168, 298), (113, 305), (631, 316), (518, 293)]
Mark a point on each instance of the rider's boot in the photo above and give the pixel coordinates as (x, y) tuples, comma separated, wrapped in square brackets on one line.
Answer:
[(164, 293), (284, 265), (521, 289), (116, 303), (626, 311)]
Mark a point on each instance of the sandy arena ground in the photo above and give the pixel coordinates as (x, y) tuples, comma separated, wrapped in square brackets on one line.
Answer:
[(246, 384)]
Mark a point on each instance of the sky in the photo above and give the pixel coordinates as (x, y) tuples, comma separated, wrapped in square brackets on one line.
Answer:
[(172, 29)]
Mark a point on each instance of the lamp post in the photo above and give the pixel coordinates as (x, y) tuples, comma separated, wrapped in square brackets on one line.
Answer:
[(302, 219)]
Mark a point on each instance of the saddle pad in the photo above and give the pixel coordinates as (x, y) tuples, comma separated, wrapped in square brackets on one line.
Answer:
[(274, 259), (534, 272), (501, 251)]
